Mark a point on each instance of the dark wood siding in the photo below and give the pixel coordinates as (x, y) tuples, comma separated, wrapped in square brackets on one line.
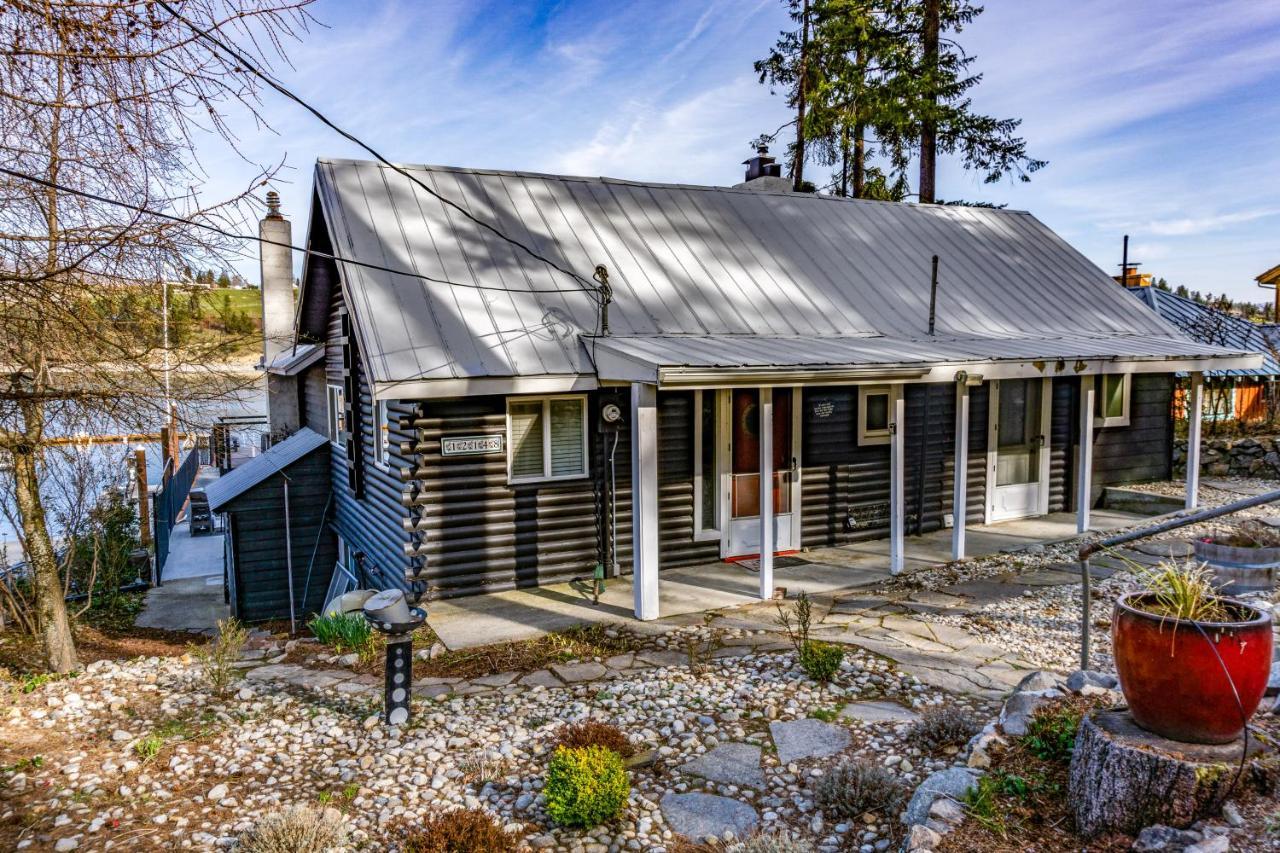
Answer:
[(845, 487), (1062, 442), (1143, 450), (261, 584)]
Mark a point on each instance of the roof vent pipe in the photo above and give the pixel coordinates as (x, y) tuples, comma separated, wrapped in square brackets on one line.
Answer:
[(933, 294), (762, 165)]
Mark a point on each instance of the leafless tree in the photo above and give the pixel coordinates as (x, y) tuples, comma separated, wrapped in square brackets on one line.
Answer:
[(108, 98)]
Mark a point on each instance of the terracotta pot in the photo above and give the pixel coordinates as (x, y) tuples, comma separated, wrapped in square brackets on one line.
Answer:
[(1174, 682)]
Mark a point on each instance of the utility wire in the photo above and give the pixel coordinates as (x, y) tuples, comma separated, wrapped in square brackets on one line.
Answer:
[(312, 252), (248, 65)]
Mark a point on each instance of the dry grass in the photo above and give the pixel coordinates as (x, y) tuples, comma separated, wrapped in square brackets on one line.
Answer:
[(297, 829), (583, 642), (458, 831), (593, 733)]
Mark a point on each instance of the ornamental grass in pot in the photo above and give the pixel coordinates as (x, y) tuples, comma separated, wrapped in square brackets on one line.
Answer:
[(1193, 664)]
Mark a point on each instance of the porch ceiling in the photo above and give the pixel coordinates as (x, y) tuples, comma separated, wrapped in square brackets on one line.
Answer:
[(693, 360)]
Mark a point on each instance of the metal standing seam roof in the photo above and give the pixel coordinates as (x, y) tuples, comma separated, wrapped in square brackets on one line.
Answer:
[(274, 459), (1210, 326), (714, 263)]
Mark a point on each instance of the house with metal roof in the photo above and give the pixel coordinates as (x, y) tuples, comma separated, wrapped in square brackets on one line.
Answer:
[(1245, 394), (523, 377)]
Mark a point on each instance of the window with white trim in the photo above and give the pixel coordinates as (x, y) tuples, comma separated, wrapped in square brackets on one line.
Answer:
[(1111, 400), (546, 438), (382, 433), (337, 414), (875, 413)]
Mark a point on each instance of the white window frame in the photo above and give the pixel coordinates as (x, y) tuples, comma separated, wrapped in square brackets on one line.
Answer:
[(382, 434), (1101, 392), (877, 436), (719, 440), (546, 476), (336, 403)]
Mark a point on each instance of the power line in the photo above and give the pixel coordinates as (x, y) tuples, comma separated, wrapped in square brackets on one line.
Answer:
[(248, 65), (312, 252)]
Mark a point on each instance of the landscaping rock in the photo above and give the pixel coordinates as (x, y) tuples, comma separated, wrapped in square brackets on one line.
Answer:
[(809, 738), (1211, 844), (572, 673), (1164, 838), (921, 838), (951, 783), (731, 763), (698, 816), (1082, 679), (1020, 707), (879, 711), (1036, 682)]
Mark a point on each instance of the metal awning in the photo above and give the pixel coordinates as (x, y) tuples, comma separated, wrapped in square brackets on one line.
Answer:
[(296, 359), (673, 361)]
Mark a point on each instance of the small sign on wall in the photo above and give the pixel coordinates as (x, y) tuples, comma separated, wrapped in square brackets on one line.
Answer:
[(471, 445)]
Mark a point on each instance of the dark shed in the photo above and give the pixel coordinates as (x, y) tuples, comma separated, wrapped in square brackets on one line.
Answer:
[(252, 500)]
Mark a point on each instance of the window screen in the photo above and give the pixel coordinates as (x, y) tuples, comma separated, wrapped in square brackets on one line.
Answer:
[(877, 416), (567, 453)]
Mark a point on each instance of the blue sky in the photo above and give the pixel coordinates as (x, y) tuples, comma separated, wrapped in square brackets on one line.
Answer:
[(1158, 119)]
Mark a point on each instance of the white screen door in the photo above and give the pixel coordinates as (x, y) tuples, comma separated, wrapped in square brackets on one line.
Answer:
[(1018, 448), (742, 537)]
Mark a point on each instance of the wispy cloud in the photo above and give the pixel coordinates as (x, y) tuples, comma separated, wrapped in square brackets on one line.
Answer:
[(1190, 226)]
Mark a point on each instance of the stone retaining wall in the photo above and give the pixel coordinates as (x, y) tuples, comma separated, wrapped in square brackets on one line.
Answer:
[(1238, 457)]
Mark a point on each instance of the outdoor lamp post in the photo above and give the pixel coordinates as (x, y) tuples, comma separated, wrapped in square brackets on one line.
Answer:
[(390, 614)]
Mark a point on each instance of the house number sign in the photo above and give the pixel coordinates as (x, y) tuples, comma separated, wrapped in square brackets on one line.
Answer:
[(471, 445)]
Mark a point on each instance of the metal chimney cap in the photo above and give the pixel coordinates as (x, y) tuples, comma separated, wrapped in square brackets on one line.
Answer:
[(273, 205)]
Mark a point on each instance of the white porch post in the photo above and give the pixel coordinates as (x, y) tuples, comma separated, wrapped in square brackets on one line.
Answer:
[(644, 498), (1084, 455), (960, 497), (1195, 408), (897, 440), (766, 493)]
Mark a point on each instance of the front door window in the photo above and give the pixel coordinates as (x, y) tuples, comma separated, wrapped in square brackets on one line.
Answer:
[(745, 497), (1018, 432)]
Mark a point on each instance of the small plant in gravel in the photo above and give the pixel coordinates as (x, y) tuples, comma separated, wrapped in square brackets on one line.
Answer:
[(148, 747), (851, 790), (941, 726), (458, 831), (982, 803), (344, 633), (821, 661), (595, 733), (297, 829), (217, 659), (1051, 731), (585, 786)]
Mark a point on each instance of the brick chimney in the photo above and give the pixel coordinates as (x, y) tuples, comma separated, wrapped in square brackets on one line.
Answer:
[(276, 261)]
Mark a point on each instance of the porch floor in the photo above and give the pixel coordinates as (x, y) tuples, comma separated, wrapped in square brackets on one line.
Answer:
[(526, 613)]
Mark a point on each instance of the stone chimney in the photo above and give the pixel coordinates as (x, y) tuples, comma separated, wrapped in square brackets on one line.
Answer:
[(277, 316), (277, 280)]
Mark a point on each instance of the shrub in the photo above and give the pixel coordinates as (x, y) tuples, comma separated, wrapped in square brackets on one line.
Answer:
[(820, 661), (345, 632), (297, 829), (1051, 732), (851, 790), (217, 659), (585, 785), (594, 733), (458, 831), (942, 726)]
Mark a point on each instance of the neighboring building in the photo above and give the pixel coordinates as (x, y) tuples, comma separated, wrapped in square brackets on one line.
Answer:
[(485, 420), (1245, 394)]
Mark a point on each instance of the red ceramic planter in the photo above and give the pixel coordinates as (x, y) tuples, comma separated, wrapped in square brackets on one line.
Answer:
[(1176, 686)]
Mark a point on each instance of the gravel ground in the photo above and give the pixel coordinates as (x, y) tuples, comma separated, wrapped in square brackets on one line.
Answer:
[(220, 764)]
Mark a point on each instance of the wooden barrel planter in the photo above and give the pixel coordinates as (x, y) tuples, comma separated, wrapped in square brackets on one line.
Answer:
[(1239, 568)]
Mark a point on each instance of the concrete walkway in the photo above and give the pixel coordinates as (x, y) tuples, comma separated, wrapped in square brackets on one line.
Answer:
[(522, 614), (190, 597)]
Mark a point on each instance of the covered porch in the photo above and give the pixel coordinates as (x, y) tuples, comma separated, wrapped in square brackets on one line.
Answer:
[(522, 614)]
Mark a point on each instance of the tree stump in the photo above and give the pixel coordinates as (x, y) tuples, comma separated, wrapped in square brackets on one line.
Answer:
[(1124, 778)]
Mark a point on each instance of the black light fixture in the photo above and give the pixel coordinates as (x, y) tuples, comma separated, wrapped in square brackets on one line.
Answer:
[(390, 614)]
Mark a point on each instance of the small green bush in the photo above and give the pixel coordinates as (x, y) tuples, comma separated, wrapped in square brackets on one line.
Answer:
[(820, 661), (1051, 732), (344, 632), (585, 785), (217, 660)]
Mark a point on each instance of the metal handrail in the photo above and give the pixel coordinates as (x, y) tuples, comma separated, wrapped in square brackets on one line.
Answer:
[(1180, 519)]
